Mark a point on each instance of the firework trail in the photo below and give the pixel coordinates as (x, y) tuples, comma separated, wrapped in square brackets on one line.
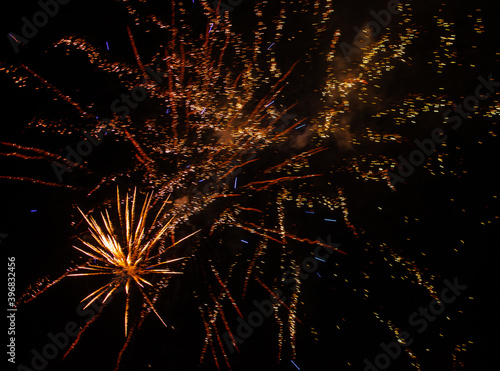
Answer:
[(215, 137)]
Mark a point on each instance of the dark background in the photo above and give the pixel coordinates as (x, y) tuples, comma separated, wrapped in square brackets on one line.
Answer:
[(446, 212)]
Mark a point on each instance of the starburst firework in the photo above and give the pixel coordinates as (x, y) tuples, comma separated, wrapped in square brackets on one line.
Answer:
[(130, 258)]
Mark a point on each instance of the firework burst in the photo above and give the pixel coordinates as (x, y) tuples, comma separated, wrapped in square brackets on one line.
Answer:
[(215, 115), (129, 258)]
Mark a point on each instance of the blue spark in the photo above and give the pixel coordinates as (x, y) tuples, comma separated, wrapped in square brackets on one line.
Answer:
[(270, 46), (13, 37), (244, 241), (295, 365), (330, 220), (301, 126)]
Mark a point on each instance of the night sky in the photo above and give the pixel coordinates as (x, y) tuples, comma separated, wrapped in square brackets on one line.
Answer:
[(404, 243)]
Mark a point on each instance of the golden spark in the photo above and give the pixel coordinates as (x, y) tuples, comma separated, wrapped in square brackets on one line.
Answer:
[(129, 257)]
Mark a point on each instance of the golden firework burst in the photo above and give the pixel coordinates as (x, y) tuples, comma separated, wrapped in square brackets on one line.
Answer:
[(129, 257)]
